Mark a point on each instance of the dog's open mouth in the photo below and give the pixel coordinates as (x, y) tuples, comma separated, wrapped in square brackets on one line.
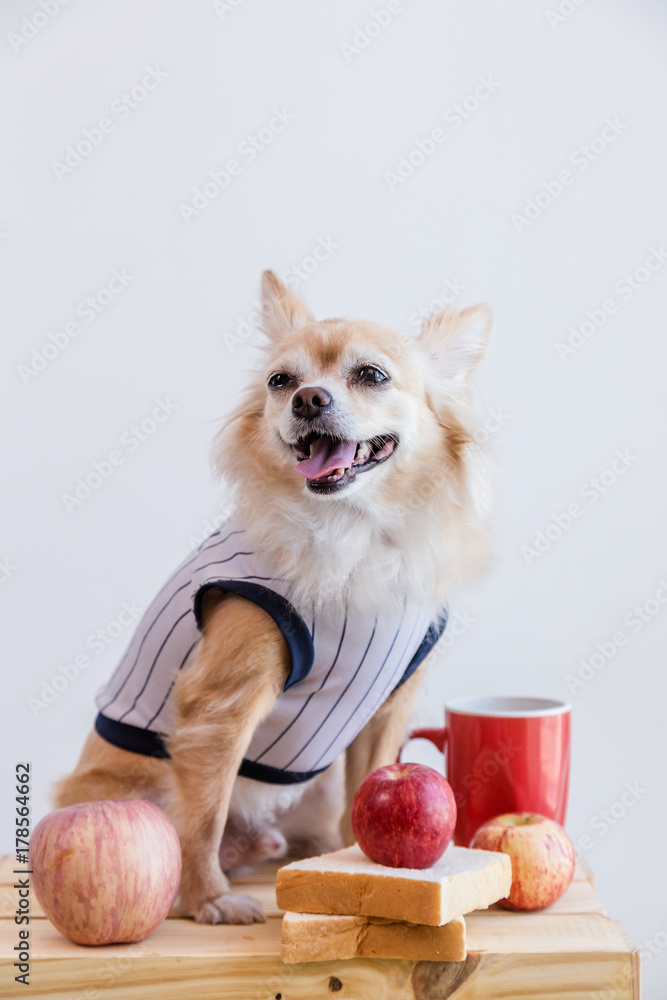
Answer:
[(330, 465)]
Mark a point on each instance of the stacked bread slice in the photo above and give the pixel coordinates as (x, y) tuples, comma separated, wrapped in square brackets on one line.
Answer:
[(342, 905)]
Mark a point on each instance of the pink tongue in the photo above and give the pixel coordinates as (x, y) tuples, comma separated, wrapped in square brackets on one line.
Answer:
[(327, 455)]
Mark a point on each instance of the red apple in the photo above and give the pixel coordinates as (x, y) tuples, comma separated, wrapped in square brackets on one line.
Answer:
[(106, 872), (542, 857), (404, 815)]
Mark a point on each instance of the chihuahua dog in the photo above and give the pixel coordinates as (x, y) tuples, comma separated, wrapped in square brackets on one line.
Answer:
[(279, 664)]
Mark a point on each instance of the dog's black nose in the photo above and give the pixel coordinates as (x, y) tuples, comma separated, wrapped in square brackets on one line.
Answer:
[(310, 402)]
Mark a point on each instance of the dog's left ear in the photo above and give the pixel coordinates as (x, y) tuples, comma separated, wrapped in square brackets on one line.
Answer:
[(455, 342), (281, 310)]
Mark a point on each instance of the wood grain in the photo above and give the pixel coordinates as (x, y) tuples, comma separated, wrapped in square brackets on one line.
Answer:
[(568, 952)]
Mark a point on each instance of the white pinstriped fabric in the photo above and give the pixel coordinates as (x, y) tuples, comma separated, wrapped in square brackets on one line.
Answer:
[(344, 664)]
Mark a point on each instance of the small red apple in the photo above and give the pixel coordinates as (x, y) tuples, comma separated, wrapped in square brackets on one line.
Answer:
[(106, 872), (404, 815), (542, 857)]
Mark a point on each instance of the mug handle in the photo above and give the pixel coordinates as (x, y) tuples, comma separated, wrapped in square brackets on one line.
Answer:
[(438, 737)]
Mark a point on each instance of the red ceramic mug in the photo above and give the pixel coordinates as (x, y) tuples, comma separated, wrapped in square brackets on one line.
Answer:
[(504, 755)]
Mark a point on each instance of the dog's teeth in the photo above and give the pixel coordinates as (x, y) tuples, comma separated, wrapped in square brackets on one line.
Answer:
[(363, 451)]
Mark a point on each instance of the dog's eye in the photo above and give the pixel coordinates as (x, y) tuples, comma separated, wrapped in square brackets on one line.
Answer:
[(372, 375), (279, 380)]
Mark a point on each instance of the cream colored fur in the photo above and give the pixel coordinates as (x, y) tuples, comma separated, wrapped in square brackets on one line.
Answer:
[(412, 526)]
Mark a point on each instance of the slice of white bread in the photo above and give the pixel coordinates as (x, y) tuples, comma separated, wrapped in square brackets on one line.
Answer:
[(347, 882), (315, 937)]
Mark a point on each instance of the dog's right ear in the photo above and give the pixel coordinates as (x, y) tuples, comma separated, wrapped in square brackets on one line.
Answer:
[(455, 341), (281, 310)]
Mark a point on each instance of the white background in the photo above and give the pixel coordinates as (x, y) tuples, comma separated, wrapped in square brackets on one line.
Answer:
[(170, 334)]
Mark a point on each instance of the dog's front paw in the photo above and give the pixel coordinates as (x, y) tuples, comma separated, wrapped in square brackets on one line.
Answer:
[(229, 908)]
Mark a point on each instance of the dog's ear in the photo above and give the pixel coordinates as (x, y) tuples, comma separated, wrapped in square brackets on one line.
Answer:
[(281, 310), (455, 341)]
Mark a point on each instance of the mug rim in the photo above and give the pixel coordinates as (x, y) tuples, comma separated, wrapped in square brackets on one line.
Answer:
[(507, 707)]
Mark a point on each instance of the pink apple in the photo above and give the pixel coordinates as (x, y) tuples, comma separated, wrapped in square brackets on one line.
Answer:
[(404, 815), (106, 872), (542, 857)]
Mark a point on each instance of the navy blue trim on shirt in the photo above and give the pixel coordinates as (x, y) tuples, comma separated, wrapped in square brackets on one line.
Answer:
[(273, 775), (435, 630), (150, 744), (294, 629), (132, 738)]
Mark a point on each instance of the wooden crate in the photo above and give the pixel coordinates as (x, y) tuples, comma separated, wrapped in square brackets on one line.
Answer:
[(572, 950)]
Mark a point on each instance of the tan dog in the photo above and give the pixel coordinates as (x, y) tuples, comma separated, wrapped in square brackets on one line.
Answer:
[(288, 646)]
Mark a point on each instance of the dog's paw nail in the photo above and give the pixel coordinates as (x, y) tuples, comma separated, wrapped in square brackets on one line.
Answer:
[(230, 908)]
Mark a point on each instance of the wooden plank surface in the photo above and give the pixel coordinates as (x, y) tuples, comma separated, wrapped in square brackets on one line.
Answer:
[(528, 934), (568, 951), (580, 897)]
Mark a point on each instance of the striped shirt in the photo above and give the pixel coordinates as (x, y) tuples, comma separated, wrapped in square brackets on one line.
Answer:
[(344, 664)]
